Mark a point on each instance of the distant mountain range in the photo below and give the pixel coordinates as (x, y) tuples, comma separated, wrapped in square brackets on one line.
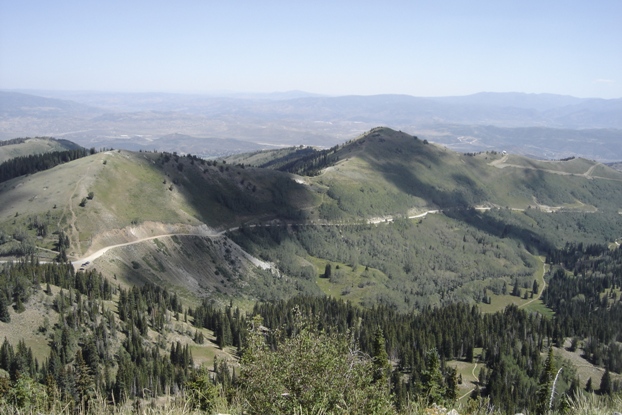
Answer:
[(540, 125)]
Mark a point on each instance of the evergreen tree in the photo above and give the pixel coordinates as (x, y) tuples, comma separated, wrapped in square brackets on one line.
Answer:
[(7, 354), (546, 384), (452, 381), (588, 386), (605, 384), (469, 353), (432, 382), (85, 386), (382, 367), (201, 391), (4, 310), (328, 271)]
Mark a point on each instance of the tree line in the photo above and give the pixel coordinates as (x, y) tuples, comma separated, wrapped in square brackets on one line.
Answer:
[(20, 166)]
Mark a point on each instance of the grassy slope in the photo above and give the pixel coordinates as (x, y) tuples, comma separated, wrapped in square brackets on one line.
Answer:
[(134, 194), (38, 145), (259, 158), (132, 188), (124, 188), (389, 172), (384, 173), (532, 304)]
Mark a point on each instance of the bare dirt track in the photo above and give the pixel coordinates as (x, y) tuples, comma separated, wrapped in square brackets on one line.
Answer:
[(588, 174), (124, 238), (74, 234)]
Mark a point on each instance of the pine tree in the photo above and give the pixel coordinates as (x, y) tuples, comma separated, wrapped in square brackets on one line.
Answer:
[(4, 310), (85, 386), (469, 353), (432, 381), (328, 271), (588, 386), (382, 367), (605, 384), (545, 385), (7, 354), (452, 381), (51, 389)]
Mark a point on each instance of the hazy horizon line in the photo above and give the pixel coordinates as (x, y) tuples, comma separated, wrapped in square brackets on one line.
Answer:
[(232, 93)]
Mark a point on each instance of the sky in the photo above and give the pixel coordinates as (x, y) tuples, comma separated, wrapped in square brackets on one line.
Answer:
[(336, 47)]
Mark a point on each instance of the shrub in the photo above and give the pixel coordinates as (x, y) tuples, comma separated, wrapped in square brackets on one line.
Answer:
[(311, 371)]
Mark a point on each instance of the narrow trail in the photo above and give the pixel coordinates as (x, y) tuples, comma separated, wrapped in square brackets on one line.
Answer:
[(541, 290), (214, 234), (472, 389), (375, 221), (501, 164), (74, 234), (46, 250)]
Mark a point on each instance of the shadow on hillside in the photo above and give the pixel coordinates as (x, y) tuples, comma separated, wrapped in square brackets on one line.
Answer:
[(458, 203), (406, 181), (534, 242), (237, 195)]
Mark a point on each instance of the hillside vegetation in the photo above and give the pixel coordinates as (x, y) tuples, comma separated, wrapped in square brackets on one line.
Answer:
[(19, 147), (400, 263), (109, 344), (494, 214)]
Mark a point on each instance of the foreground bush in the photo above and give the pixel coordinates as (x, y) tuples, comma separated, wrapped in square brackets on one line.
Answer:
[(310, 372)]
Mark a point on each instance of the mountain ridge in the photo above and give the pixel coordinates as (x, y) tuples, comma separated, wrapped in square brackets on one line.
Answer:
[(322, 121), (381, 178)]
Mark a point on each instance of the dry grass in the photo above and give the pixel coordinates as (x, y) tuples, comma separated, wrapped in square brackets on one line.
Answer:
[(25, 326), (583, 404)]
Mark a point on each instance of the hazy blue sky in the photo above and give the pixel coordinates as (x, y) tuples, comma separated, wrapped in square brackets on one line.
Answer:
[(422, 48)]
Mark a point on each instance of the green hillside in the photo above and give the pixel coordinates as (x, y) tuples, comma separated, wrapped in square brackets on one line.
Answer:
[(38, 145), (494, 213), (390, 172), (462, 260)]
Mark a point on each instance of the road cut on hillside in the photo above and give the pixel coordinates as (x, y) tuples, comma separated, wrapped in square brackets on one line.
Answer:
[(200, 231)]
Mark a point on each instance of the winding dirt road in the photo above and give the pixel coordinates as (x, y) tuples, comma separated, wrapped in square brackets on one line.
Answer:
[(212, 234), (588, 174), (102, 251)]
